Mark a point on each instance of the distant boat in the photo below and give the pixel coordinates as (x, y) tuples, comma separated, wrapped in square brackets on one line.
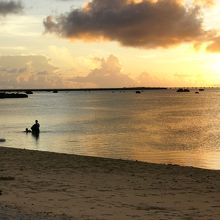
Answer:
[(12, 95), (201, 89), (55, 91), (138, 92), (197, 92), (182, 90)]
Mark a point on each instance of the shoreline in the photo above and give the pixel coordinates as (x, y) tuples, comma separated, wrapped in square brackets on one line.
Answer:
[(109, 158), (47, 185)]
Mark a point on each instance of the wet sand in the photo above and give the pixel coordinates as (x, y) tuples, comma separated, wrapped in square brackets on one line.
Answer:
[(42, 185)]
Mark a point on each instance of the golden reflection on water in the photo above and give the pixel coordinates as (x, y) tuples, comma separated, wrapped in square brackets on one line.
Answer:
[(206, 160), (159, 127)]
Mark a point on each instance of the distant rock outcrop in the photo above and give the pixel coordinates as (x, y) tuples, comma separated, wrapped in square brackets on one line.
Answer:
[(2, 140), (29, 92), (182, 90)]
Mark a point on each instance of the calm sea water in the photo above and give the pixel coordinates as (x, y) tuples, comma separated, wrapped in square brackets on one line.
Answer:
[(155, 126)]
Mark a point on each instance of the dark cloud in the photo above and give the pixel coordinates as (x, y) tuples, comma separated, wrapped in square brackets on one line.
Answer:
[(10, 7), (145, 23), (108, 75)]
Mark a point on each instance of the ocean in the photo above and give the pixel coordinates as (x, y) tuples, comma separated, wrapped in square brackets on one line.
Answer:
[(158, 126)]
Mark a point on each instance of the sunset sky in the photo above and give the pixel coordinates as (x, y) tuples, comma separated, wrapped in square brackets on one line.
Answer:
[(109, 43)]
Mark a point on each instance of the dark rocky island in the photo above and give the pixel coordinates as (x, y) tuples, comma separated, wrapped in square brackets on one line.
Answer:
[(29, 92), (182, 90), (12, 95)]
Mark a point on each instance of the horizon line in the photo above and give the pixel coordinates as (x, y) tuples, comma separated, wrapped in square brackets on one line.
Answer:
[(106, 89)]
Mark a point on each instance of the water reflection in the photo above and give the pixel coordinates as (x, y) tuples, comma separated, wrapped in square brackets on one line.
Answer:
[(36, 137)]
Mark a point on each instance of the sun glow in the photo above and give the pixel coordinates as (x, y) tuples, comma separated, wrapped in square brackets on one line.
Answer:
[(213, 63)]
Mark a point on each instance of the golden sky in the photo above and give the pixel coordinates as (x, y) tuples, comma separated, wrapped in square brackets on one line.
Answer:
[(109, 43)]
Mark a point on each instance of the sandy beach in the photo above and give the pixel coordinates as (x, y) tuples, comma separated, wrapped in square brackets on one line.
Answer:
[(43, 185)]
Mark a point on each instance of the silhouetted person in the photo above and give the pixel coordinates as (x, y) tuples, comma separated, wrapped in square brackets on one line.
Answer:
[(27, 130), (36, 128)]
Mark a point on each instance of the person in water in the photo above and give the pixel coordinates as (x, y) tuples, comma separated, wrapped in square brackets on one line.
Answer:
[(35, 128), (27, 130)]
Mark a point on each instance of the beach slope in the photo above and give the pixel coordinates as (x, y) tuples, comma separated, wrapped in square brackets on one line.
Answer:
[(43, 185)]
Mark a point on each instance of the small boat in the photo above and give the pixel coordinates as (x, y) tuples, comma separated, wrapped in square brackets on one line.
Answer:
[(138, 92), (201, 90)]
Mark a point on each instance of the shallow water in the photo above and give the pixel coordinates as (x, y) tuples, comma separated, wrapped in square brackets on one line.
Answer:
[(155, 126)]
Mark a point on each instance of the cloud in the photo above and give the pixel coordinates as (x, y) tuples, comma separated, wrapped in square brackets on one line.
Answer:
[(171, 80), (145, 23), (205, 2), (10, 7), (28, 72), (38, 72), (9, 70), (149, 80), (214, 46), (108, 75)]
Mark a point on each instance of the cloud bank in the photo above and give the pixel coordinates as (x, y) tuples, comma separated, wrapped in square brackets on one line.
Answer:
[(108, 75), (145, 23), (28, 72), (10, 7), (38, 72)]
